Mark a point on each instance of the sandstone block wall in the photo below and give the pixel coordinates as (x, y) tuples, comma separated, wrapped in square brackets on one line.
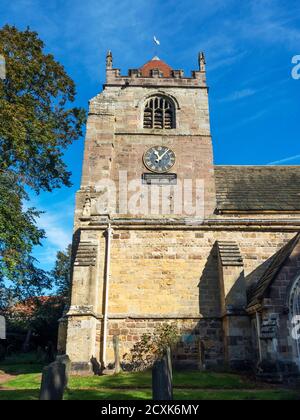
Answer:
[(278, 306), (168, 275), (162, 268), (116, 140)]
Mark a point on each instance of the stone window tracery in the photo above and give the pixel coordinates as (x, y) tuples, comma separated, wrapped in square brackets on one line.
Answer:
[(159, 113), (295, 315)]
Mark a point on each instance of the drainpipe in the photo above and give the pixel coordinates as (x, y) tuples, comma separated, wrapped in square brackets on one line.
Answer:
[(258, 335), (109, 232)]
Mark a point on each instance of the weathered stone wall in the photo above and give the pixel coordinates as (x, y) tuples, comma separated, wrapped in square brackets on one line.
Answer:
[(172, 276), (180, 266), (167, 273), (116, 140), (162, 269), (278, 305), (186, 352), (175, 273)]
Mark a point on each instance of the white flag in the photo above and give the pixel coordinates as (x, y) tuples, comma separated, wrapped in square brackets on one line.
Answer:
[(157, 42)]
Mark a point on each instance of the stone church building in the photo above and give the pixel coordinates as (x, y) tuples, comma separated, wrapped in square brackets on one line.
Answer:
[(226, 270)]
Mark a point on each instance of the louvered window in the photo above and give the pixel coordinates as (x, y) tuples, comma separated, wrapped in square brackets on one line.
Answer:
[(159, 113)]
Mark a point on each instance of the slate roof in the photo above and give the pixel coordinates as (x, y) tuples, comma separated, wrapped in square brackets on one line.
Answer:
[(258, 188), (257, 293)]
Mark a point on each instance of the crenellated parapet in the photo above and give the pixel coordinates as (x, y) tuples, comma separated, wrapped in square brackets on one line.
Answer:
[(156, 73)]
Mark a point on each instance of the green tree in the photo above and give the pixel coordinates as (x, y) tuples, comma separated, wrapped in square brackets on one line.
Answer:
[(61, 274), (35, 321), (37, 123), (18, 235)]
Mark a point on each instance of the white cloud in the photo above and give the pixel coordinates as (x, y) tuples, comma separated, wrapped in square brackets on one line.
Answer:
[(245, 121), (81, 32), (221, 62), (239, 94), (271, 22), (286, 160), (57, 227), (57, 222)]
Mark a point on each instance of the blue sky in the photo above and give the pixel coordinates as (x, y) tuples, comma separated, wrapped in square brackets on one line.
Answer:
[(249, 45)]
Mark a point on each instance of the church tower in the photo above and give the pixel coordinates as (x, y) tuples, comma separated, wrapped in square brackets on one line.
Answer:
[(148, 177), (150, 126), (162, 235)]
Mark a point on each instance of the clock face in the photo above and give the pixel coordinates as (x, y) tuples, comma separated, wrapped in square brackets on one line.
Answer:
[(159, 159)]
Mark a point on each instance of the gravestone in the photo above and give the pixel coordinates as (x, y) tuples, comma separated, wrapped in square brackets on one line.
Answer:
[(40, 355), (2, 328), (2, 337), (169, 358), (96, 367), (201, 351), (50, 352), (162, 386), (65, 360), (116, 342), (53, 382), (2, 67), (2, 352)]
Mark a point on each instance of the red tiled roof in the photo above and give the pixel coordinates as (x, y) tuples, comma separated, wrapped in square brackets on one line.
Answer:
[(29, 306), (156, 63)]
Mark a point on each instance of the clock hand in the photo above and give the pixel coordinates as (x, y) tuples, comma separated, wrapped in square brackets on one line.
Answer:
[(163, 155), (157, 155)]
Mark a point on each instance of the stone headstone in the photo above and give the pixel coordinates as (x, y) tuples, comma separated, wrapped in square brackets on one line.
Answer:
[(162, 386), (40, 355), (2, 328), (96, 367), (116, 342), (169, 358), (2, 352), (2, 68), (53, 382), (50, 352), (65, 360), (201, 351)]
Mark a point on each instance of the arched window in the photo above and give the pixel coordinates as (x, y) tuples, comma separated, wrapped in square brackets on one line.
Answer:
[(295, 316), (159, 113)]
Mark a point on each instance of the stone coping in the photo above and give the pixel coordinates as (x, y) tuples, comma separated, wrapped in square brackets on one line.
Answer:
[(145, 317), (282, 225)]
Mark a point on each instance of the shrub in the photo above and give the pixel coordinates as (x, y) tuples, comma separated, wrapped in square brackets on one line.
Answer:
[(152, 347)]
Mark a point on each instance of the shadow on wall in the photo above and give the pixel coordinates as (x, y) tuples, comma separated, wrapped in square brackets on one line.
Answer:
[(201, 343), (255, 275), (209, 287)]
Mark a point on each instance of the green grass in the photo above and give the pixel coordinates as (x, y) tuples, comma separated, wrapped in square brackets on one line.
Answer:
[(179, 394), (204, 380), (20, 359), (137, 386), (145, 394), (21, 364), (21, 369), (19, 395), (210, 380), (237, 395), (25, 381), (108, 394)]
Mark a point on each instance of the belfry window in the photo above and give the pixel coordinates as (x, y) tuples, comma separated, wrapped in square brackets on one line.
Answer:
[(159, 113)]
